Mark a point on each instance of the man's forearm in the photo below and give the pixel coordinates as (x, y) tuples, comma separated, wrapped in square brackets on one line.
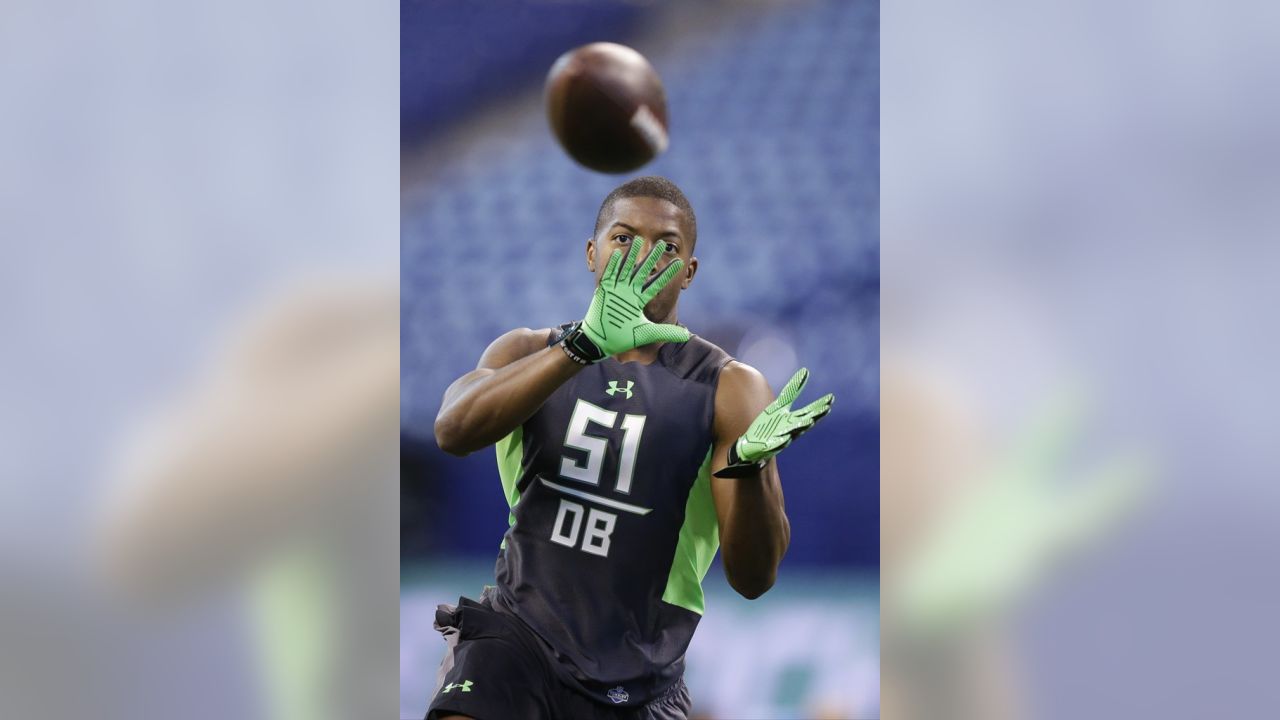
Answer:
[(756, 533), (485, 405)]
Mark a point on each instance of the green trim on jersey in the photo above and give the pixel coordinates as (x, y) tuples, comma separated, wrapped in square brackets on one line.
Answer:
[(699, 540), (510, 451)]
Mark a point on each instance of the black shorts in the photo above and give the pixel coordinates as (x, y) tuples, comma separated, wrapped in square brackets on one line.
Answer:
[(495, 670)]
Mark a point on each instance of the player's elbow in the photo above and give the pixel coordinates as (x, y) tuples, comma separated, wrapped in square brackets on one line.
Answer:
[(450, 438), (753, 585)]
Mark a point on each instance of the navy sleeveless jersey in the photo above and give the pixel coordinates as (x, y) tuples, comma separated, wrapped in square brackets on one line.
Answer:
[(612, 522)]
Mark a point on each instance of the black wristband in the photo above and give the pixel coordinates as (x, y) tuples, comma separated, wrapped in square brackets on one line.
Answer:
[(738, 467), (579, 347)]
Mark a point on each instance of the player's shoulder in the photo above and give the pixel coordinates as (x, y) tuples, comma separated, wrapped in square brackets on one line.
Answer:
[(738, 377), (741, 394)]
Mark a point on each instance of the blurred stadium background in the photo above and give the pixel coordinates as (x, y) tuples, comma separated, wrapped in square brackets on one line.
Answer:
[(774, 116)]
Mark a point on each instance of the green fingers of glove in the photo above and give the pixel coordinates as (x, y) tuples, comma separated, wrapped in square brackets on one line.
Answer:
[(615, 320), (777, 426)]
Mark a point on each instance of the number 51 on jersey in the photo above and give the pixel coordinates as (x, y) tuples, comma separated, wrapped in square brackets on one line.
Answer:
[(599, 524)]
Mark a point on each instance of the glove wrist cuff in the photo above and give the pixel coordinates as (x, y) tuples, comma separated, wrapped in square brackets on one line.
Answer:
[(579, 347), (736, 459), (738, 467)]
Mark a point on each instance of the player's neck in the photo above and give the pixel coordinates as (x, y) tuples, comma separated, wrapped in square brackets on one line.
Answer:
[(644, 355)]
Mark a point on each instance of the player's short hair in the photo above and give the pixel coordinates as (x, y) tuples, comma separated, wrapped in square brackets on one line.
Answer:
[(651, 186)]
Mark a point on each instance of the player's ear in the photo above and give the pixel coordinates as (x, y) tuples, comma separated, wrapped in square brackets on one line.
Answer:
[(591, 255), (690, 270)]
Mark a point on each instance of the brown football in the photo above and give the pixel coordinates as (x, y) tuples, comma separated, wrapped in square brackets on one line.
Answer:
[(607, 107)]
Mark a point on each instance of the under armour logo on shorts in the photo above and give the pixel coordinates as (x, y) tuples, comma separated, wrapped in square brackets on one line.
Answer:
[(466, 686)]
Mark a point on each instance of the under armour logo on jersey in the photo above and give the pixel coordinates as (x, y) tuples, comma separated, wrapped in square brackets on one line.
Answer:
[(618, 695), (614, 389), (466, 686)]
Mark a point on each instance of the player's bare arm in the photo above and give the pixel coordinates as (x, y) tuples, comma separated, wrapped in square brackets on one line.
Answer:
[(751, 426), (515, 375), (754, 531)]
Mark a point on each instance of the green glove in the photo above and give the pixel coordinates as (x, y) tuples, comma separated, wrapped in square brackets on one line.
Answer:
[(775, 428), (615, 321)]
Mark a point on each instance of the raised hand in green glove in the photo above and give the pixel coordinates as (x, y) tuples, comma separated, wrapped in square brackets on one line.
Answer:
[(615, 321), (775, 428)]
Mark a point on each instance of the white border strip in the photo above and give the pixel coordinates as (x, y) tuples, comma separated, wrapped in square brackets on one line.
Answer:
[(607, 502)]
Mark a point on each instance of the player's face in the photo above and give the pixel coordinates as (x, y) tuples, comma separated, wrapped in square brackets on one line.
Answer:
[(657, 221)]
